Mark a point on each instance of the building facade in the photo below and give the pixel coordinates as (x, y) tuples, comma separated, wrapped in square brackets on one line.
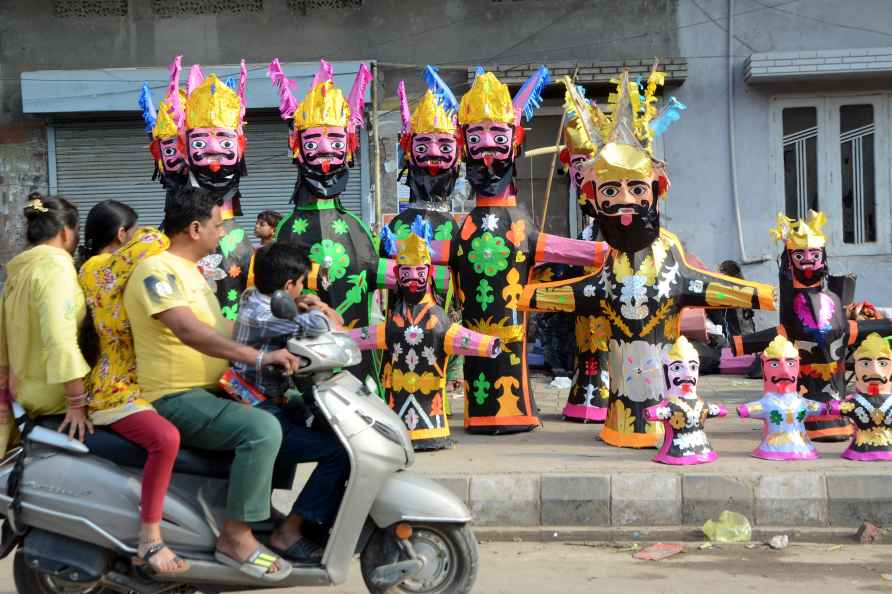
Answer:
[(788, 101)]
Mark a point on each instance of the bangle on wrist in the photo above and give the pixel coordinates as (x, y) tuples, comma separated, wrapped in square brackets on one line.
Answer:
[(79, 401), (258, 364)]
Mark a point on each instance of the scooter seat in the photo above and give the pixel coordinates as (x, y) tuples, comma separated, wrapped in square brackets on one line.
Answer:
[(111, 446)]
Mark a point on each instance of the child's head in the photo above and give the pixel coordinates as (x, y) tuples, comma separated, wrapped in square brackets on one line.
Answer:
[(266, 224), (280, 266)]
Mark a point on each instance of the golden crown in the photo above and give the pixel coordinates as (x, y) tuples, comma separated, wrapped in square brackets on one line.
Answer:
[(413, 251), (873, 347), (780, 348), (213, 105), (165, 126), (623, 137), (798, 234), (323, 105), (431, 117), (488, 99), (682, 350)]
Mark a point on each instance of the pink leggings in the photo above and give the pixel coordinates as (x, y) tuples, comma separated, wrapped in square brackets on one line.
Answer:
[(161, 440)]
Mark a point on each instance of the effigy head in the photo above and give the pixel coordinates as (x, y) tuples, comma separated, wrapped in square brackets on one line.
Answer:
[(431, 140), (215, 140), (323, 128), (873, 366), (804, 247), (780, 366), (626, 179), (491, 127), (681, 367)]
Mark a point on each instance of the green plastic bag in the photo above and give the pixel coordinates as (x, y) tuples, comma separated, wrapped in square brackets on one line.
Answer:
[(730, 527)]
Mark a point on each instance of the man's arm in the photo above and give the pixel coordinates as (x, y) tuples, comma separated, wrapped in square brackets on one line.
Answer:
[(203, 338)]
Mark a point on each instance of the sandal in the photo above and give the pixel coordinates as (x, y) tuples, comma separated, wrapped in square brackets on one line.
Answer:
[(302, 551), (257, 565), (145, 560)]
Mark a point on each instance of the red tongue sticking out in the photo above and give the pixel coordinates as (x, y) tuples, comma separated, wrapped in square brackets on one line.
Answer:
[(625, 219), (433, 169), (873, 389), (487, 160), (808, 272), (214, 166), (686, 388), (326, 165)]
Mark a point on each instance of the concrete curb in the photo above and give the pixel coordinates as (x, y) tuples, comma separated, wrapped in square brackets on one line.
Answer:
[(800, 500), (569, 534)]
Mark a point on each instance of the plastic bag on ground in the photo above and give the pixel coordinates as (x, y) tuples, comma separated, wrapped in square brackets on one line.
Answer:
[(730, 527)]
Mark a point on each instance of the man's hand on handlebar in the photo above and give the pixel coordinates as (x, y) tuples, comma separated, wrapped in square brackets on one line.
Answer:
[(282, 359)]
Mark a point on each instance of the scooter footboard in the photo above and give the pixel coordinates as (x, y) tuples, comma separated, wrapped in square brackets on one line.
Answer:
[(407, 497)]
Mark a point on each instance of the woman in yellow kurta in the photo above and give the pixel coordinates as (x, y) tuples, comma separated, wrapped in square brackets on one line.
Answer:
[(41, 309), (114, 246)]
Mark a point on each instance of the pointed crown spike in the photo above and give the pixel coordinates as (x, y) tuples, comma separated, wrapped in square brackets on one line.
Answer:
[(780, 348), (213, 105), (323, 105), (873, 347), (682, 350), (488, 99), (430, 117), (799, 234), (413, 251)]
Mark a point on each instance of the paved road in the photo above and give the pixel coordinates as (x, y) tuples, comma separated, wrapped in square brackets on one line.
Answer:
[(579, 568)]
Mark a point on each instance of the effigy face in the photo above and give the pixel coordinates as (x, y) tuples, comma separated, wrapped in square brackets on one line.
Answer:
[(323, 148), (872, 375), (779, 374), (214, 148), (434, 151), (489, 141), (413, 280), (681, 378), (172, 153), (809, 264)]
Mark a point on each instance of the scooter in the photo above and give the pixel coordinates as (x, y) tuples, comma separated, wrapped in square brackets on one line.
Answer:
[(71, 508)]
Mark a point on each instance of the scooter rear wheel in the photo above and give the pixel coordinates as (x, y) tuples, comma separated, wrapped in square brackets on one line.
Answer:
[(31, 581), (449, 552)]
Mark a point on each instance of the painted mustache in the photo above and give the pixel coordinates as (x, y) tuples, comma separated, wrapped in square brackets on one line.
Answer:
[(489, 153), (782, 379), (875, 379), (203, 156)]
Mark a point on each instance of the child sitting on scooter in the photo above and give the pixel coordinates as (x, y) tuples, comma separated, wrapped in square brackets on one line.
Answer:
[(284, 266)]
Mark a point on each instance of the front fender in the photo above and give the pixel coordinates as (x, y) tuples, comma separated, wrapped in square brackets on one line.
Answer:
[(407, 497)]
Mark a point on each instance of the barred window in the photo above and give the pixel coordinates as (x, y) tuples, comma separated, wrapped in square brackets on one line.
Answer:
[(89, 8), (180, 8), (306, 6)]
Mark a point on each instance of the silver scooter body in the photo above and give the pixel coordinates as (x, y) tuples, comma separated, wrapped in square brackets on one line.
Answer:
[(66, 491)]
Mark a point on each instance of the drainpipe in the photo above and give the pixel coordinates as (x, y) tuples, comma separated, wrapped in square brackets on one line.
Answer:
[(732, 142)]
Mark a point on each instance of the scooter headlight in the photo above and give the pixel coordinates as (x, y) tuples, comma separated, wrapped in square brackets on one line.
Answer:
[(371, 386)]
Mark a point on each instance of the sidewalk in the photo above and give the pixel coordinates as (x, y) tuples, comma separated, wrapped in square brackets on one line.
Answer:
[(562, 482), (562, 475)]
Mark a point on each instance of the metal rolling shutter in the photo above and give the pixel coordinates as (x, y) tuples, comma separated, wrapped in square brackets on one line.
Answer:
[(97, 161)]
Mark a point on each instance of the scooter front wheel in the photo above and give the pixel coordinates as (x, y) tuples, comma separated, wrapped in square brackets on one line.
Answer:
[(448, 553), (30, 581)]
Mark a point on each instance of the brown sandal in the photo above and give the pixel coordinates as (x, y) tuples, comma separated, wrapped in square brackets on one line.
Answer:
[(145, 560)]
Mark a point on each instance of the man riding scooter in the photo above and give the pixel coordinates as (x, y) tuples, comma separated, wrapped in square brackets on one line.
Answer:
[(182, 346)]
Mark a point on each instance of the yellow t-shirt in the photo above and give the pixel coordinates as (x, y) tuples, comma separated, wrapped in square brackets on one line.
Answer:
[(164, 365)]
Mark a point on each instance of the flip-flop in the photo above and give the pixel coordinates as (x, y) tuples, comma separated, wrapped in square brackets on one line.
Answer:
[(145, 559), (302, 551), (257, 564)]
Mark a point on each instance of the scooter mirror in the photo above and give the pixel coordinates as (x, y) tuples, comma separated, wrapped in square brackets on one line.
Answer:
[(282, 305)]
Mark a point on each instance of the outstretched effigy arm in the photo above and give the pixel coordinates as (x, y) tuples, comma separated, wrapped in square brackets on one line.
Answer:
[(703, 288), (752, 410), (657, 413), (716, 410), (461, 341), (380, 275), (841, 408), (583, 295), (754, 343), (815, 409), (554, 249), (370, 338)]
